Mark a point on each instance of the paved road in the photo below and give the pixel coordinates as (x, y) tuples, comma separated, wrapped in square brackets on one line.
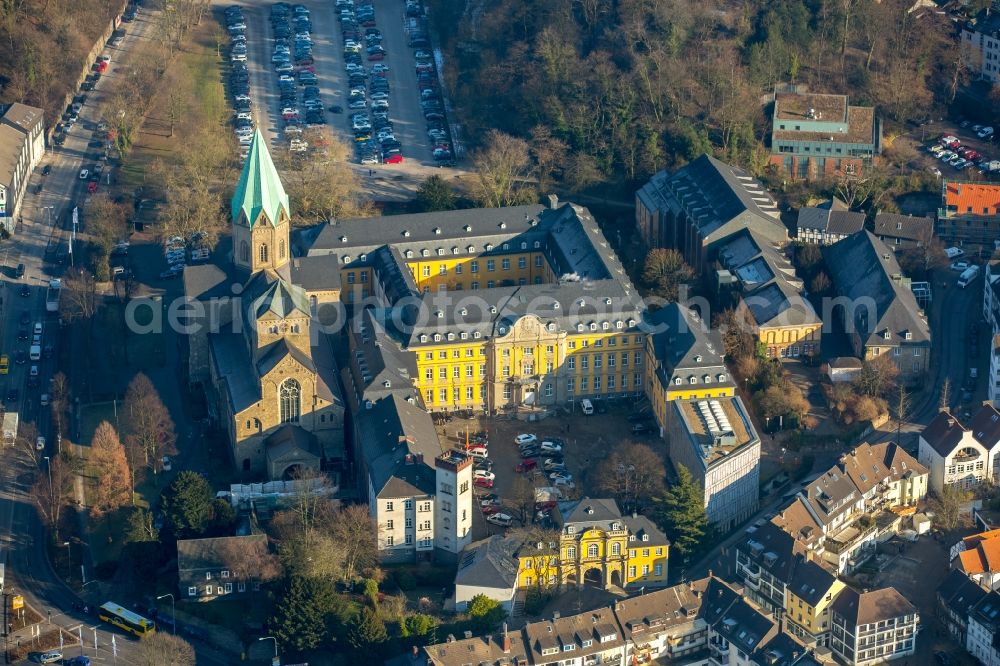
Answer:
[(951, 313), (22, 537), (389, 182)]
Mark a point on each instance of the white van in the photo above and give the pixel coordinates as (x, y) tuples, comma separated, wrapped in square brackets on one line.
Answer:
[(35, 352), (587, 406), (968, 276)]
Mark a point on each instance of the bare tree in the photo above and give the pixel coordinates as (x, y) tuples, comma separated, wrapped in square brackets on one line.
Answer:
[(51, 490), (945, 401), (353, 527), (250, 562), (164, 649), (147, 422), (502, 167), (632, 474), (323, 186), (79, 295), (59, 401), (522, 497)]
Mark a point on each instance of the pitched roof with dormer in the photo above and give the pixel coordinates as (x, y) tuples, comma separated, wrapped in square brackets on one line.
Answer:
[(944, 433), (858, 608), (259, 188), (587, 513)]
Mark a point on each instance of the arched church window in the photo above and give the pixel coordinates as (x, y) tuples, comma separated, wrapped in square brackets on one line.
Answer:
[(281, 249), (245, 251), (263, 252), (290, 401)]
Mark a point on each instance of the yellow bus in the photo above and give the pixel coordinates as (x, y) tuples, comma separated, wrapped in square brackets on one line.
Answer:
[(125, 619)]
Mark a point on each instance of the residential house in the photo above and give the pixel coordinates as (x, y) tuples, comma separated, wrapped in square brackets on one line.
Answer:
[(737, 627), (903, 232), (828, 222), (420, 497), (969, 215), (979, 559), (982, 638), (22, 145), (875, 305), (586, 639), (716, 441), (873, 627), (956, 597), (980, 42), (701, 204), (684, 360), (770, 295), (210, 568), (843, 368), (665, 624), (487, 567), (959, 454), (817, 136), (809, 597), (503, 648)]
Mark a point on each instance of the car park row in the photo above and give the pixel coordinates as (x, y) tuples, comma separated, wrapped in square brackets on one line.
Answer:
[(431, 101), (949, 150), (294, 65), (239, 78), (374, 137)]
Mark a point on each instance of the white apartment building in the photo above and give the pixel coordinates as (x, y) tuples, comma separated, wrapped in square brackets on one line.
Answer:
[(981, 45), (991, 313), (22, 145), (873, 627), (419, 498), (984, 629), (716, 441), (960, 454)]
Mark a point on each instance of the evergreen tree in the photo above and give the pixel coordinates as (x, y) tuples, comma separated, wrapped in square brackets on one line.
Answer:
[(486, 612), (305, 614), (680, 513), (367, 631), (187, 504), (435, 194)]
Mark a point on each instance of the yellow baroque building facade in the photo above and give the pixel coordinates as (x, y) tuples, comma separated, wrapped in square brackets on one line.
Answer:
[(597, 546)]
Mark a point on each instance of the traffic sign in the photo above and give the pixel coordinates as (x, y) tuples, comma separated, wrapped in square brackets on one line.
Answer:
[(17, 602)]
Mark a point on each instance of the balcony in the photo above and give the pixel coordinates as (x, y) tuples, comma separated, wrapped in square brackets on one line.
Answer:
[(851, 536)]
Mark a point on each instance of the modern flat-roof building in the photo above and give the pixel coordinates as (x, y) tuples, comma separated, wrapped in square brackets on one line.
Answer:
[(716, 441), (22, 145), (816, 136)]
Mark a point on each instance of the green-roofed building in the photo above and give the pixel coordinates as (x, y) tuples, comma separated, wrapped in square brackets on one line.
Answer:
[(260, 213)]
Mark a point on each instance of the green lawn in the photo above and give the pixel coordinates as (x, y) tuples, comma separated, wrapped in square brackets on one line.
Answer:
[(207, 102), (242, 615), (91, 416)]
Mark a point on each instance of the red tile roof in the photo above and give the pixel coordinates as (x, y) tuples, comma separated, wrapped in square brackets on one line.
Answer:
[(972, 198)]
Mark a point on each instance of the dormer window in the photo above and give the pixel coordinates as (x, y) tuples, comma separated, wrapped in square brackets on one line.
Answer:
[(570, 529), (692, 380), (406, 234), (579, 328), (631, 323), (721, 377), (425, 252), (631, 537), (437, 337), (343, 239), (454, 250), (605, 325), (493, 309), (347, 258), (477, 335), (551, 326), (619, 324), (524, 245), (437, 231), (471, 249), (409, 254), (616, 526), (451, 336), (908, 335), (423, 337), (440, 251), (707, 379), (697, 358), (463, 335), (489, 247), (645, 537), (593, 326), (887, 334), (537, 245)]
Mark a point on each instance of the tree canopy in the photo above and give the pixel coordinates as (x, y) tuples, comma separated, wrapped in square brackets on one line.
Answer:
[(680, 513), (187, 504)]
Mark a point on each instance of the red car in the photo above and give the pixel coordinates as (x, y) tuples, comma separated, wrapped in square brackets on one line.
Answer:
[(544, 506), (526, 466), (378, 55), (491, 509), (483, 483), (394, 159), (102, 66), (92, 187)]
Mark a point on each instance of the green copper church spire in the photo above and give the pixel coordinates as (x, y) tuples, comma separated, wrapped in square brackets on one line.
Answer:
[(259, 188)]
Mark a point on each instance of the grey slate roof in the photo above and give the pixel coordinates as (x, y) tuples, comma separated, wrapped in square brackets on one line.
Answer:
[(831, 221), (830, 495), (489, 563), (391, 429), (378, 365), (772, 549), (960, 593), (277, 351), (684, 345), (229, 354), (197, 555), (641, 526), (907, 227), (586, 512), (656, 611), (809, 581), (862, 267), (595, 626), (267, 292)]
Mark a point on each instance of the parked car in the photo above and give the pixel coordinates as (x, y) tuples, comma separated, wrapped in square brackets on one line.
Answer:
[(482, 482), (959, 266), (483, 474), (501, 519), (551, 447), (525, 438), (525, 466)]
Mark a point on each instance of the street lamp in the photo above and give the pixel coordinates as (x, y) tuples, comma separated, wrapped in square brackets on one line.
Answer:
[(173, 615), (69, 560), (271, 638), (48, 466)]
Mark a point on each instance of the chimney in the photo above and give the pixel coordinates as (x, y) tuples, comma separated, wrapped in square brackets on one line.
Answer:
[(415, 651), (709, 573), (489, 640), (951, 422), (506, 640), (555, 616), (468, 633), (553, 201)]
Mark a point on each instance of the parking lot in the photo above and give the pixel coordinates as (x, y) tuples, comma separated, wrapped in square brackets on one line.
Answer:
[(985, 150), (586, 440), (383, 181)]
